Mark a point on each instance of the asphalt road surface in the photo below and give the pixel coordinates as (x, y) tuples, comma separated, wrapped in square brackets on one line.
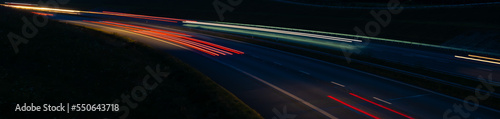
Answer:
[(285, 85)]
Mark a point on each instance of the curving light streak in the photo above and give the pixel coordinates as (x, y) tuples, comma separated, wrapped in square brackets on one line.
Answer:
[(480, 60), (188, 45), (142, 18), (211, 44), (284, 37), (354, 108), (165, 31), (154, 35), (483, 57), (276, 31), (198, 42), (381, 106), (191, 42), (175, 37)]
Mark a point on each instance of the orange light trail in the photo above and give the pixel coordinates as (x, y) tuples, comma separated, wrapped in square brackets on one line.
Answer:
[(179, 38), (381, 106), (20, 4), (354, 108), (480, 60), (193, 43), (483, 57), (43, 14)]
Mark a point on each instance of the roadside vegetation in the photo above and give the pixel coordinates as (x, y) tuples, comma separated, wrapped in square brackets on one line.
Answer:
[(71, 64)]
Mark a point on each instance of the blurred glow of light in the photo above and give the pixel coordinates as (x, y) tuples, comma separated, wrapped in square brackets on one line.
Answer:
[(381, 106), (142, 18), (204, 43), (145, 16), (480, 60), (483, 57), (45, 9), (354, 108), (276, 31), (203, 46), (20, 4), (159, 31), (43, 14), (171, 32), (185, 44)]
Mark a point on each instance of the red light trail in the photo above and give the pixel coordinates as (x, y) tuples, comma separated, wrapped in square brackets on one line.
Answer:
[(357, 109), (175, 37)]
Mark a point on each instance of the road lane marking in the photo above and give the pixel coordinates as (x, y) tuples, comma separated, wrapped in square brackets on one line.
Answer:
[(337, 84), (381, 100)]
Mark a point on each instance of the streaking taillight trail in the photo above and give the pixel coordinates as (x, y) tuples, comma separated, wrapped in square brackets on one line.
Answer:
[(480, 59), (366, 113), (174, 37), (381, 106), (355, 108)]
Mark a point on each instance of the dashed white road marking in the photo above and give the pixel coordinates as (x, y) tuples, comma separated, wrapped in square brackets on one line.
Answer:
[(381, 100)]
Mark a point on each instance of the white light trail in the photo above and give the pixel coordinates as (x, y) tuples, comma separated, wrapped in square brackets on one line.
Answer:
[(480, 60), (277, 31), (44, 9)]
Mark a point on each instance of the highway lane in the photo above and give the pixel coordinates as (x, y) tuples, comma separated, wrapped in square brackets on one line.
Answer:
[(307, 79), (444, 61), (312, 88)]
